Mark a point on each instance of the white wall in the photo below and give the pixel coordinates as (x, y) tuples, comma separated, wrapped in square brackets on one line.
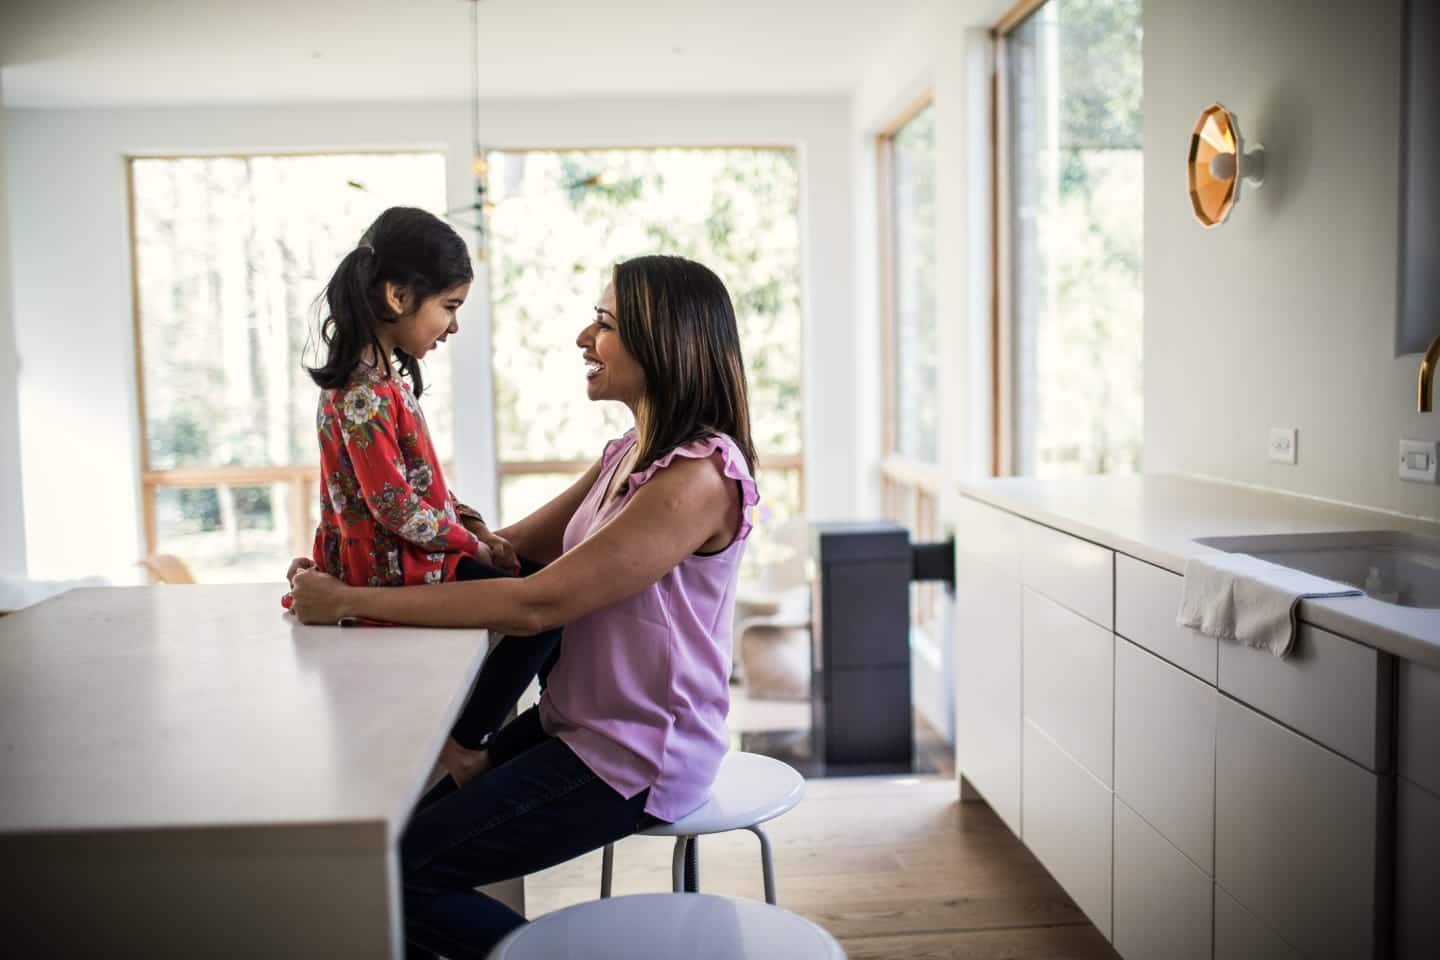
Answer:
[(12, 508), (1284, 316), (66, 188)]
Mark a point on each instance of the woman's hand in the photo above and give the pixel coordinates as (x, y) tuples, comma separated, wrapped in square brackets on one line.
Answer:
[(463, 764), (317, 597)]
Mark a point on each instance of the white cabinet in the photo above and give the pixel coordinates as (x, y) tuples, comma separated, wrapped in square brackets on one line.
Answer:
[(1419, 721), (1073, 572), (988, 657), (1069, 676), (1147, 599), (1162, 900), (1240, 936), (1297, 835), (1417, 873), (1333, 690), (1067, 824), (1165, 749), (1417, 814)]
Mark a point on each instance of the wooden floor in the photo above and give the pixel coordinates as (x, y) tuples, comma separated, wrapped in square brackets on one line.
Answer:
[(893, 867)]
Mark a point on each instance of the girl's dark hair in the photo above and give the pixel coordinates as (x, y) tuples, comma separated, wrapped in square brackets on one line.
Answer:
[(408, 247), (677, 321)]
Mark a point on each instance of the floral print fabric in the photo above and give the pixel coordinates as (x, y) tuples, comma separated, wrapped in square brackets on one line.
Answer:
[(386, 518)]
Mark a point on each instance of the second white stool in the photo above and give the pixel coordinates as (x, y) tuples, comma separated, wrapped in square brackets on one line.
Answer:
[(749, 789), (663, 926)]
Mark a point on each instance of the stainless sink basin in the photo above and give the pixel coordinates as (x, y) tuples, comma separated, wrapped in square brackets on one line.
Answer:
[(1394, 567)]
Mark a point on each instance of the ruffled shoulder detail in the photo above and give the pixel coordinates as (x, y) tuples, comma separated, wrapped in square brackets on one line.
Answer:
[(732, 464), (615, 448)]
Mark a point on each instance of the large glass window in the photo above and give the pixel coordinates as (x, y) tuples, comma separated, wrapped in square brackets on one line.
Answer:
[(230, 254), (914, 325), (1073, 167), (561, 221)]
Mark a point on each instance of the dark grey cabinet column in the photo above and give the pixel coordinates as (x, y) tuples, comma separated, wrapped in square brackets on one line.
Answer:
[(861, 679)]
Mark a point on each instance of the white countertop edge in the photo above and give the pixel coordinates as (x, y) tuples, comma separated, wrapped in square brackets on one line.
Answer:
[(1385, 627)]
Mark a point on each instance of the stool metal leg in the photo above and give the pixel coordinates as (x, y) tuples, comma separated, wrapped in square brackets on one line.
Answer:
[(767, 863), (692, 865), (607, 870), (677, 866)]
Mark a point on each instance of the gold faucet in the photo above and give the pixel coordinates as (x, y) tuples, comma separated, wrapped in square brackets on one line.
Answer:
[(1428, 363)]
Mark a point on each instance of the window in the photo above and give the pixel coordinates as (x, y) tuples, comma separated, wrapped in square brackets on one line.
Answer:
[(913, 384), (561, 220), (1073, 171), (909, 472), (230, 254)]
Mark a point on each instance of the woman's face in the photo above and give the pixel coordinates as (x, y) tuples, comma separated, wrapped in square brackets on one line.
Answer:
[(610, 372), (420, 330)]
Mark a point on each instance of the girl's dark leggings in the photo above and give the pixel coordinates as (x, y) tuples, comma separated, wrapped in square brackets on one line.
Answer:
[(513, 662)]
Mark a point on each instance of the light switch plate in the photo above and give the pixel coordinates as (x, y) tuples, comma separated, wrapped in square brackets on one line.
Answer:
[(1283, 441), (1418, 460)]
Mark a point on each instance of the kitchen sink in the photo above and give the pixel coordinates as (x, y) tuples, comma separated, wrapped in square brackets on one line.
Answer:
[(1390, 566)]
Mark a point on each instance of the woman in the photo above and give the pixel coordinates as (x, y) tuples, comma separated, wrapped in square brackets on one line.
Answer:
[(643, 554)]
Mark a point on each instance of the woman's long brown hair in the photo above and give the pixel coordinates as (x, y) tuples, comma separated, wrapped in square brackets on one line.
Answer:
[(677, 321)]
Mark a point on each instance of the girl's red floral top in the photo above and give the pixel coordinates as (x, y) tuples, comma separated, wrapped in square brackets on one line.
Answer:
[(386, 518)]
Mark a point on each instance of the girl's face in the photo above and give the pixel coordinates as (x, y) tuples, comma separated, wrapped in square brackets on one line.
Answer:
[(611, 373), (424, 326)]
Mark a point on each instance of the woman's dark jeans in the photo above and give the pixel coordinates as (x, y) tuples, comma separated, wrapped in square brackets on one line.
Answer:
[(537, 805)]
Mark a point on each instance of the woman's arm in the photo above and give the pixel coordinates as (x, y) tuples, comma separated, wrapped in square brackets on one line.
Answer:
[(540, 536), (668, 519)]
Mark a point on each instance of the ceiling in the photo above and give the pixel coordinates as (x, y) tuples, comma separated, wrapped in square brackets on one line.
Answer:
[(138, 52)]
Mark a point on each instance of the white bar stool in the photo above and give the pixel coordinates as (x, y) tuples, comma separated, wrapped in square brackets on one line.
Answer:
[(664, 926), (749, 789)]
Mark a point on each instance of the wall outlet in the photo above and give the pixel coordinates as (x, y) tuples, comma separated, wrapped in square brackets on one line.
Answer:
[(1418, 460), (1283, 442)]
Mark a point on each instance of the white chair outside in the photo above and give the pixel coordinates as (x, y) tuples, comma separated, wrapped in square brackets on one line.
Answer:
[(664, 926), (749, 790)]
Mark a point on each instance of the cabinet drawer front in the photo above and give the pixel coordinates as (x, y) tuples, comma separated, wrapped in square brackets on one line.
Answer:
[(1296, 835), (987, 536), (1419, 724), (1335, 691), (987, 688), (1067, 824), (1069, 675), (1073, 572), (1165, 749), (1417, 873), (1162, 900), (1239, 936), (1147, 599)]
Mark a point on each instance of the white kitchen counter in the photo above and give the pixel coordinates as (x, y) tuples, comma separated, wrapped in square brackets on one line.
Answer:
[(1158, 518), (188, 768)]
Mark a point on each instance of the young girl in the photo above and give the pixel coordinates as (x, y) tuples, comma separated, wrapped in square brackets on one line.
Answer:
[(386, 517)]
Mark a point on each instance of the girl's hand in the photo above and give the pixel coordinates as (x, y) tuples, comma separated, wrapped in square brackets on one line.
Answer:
[(502, 554), (317, 597), (462, 764), (296, 565)]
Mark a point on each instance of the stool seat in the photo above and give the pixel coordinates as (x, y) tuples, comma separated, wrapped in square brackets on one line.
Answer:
[(662, 926), (748, 789)]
